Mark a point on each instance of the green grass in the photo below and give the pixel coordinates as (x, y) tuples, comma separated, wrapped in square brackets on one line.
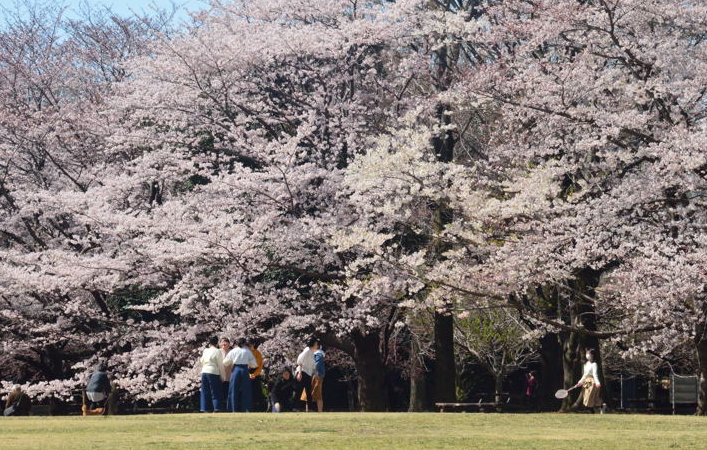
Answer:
[(356, 431)]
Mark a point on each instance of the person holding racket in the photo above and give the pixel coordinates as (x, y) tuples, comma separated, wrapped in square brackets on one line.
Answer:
[(590, 382)]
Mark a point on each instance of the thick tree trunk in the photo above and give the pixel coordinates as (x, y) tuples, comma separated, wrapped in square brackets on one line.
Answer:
[(701, 347), (418, 379), (571, 367), (445, 371), (551, 374), (372, 390)]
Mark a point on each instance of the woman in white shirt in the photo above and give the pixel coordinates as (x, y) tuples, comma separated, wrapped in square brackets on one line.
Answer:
[(590, 382), (212, 372)]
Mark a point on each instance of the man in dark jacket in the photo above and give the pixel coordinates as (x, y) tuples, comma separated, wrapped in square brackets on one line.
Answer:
[(18, 403), (98, 387)]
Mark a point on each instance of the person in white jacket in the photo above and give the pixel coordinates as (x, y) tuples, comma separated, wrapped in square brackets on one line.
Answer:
[(212, 372), (590, 382)]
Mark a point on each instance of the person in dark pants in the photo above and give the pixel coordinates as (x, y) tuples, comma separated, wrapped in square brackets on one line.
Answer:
[(259, 403), (18, 403), (304, 372), (282, 393), (98, 387), (239, 390), (212, 372)]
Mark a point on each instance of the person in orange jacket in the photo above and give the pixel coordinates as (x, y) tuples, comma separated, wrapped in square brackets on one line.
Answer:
[(259, 403)]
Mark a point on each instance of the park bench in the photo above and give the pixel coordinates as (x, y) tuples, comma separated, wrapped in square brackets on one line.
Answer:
[(481, 405)]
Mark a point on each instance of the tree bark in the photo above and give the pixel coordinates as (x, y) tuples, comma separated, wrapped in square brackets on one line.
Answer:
[(418, 379), (701, 347), (582, 313), (498, 385), (551, 375), (445, 371), (372, 390)]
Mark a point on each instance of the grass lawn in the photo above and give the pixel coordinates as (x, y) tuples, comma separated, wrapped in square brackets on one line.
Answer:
[(343, 431)]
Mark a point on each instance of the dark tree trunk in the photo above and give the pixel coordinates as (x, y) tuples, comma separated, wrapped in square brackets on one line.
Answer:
[(701, 347), (372, 390), (445, 371), (583, 314), (498, 386), (551, 376), (571, 367), (419, 398)]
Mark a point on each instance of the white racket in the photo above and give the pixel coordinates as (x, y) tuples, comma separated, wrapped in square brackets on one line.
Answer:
[(563, 393)]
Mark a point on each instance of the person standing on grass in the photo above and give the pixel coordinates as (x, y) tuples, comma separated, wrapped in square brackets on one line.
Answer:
[(98, 387), (318, 378), (212, 372), (590, 383), (305, 371), (255, 378), (531, 390), (282, 393), (240, 398), (225, 345)]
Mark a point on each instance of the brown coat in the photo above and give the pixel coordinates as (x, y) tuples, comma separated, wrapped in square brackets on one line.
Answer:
[(25, 403)]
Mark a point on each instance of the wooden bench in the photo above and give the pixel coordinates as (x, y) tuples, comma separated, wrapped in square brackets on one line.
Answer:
[(482, 406)]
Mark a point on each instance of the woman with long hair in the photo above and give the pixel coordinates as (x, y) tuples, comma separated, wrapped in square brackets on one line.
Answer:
[(590, 382)]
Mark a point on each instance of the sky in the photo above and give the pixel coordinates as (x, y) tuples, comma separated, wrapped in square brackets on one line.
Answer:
[(124, 7)]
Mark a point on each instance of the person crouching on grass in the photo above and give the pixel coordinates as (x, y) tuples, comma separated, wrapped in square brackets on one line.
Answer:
[(590, 383), (240, 397), (212, 372), (282, 392)]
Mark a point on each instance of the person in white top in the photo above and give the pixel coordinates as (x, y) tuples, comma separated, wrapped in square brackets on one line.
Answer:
[(225, 344), (590, 382), (304, 372), (212, 372), (240, 397)]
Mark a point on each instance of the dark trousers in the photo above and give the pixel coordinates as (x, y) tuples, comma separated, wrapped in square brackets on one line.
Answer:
[(225, 385), (211, 393), (240, 397), (305, 384), (259, 403)]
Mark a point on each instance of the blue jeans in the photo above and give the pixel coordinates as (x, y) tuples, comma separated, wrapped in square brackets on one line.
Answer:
[(240, 397), (211, 393)]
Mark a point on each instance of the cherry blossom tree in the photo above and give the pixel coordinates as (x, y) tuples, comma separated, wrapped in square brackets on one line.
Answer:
[(54, 74), (594, 167)]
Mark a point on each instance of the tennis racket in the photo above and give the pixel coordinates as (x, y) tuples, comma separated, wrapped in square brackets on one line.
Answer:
[(563, 393)]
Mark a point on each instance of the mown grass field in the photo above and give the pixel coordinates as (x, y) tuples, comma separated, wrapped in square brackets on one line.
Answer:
[(356, 431)]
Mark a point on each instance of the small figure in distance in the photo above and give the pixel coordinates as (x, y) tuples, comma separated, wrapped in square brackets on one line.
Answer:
[(590, 383), (212, 372), (306, 368), (240, 396), (282, 393), (259, 403), (318, 378), (531, 391), (225, 345), (98, 387), (18, 403)]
